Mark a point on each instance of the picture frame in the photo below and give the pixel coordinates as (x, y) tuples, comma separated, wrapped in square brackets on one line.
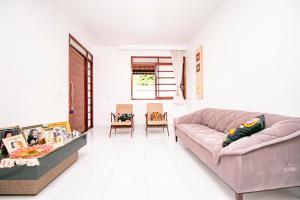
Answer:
[(198, 68), (14, 129), (8, 132), (199, 72), (56, 135), (14, 142), (65, 124), (34, 134)]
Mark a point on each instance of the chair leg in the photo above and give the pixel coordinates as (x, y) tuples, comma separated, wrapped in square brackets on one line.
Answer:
[(110, 132), (168, 131), (131, 131), (163, 129), (176, 138), (115, 130), (146, 131), (238, 196)]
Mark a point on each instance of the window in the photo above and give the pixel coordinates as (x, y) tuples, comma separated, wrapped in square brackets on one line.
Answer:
[(153, 78)]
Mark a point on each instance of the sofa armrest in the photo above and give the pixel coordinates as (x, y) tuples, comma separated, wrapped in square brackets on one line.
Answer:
[(274, 166), (279, 132)]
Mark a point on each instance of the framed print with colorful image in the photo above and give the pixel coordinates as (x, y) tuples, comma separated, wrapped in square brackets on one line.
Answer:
[(56, 135), (199, 72), (14, 142), (34, 134), (65, 124)]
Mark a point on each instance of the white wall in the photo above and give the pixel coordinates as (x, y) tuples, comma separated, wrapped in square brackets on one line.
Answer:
[(251, 57), (34, 62), (112, 84), (251, 62)]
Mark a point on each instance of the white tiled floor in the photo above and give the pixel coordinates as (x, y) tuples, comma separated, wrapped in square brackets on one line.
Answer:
[(140, 168)]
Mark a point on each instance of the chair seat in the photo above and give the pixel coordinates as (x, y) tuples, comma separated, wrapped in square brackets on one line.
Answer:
[(157, 123), (120, 123)]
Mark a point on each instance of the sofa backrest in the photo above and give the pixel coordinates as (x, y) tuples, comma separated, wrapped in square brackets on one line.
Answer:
[(223, 120)]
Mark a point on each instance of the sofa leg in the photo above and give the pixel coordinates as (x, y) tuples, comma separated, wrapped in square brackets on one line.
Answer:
[(176, 138), (238, 196)]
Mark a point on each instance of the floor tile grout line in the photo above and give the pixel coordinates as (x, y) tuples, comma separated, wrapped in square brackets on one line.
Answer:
[(182, 176), (78, 171), (110, 177), (146, 170)]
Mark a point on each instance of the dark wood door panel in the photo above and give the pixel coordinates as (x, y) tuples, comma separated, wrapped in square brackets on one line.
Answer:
[(79, 91), (81, 86), (77, 74), (77, 66)]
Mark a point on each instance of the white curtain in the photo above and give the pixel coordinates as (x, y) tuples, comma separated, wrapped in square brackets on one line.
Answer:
[(177, 61)]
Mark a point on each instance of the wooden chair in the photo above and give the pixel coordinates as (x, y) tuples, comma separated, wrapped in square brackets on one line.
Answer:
[(152, 108), (122, 109)]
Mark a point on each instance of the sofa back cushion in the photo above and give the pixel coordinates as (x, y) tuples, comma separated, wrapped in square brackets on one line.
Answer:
[(223, 120), (272, 119)]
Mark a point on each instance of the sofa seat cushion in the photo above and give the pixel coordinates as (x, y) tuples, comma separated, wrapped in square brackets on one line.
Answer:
[(210, 139)]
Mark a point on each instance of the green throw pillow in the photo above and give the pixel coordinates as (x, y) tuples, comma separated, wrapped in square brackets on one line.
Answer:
[(124, 117), (246, 129)]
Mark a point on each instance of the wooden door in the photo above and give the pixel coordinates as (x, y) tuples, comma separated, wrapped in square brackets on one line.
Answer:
[(77, 82)]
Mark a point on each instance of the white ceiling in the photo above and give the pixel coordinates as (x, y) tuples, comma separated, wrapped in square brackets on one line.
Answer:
[(136, 22)]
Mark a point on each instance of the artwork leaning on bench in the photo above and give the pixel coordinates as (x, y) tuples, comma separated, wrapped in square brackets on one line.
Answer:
[(31, 157)]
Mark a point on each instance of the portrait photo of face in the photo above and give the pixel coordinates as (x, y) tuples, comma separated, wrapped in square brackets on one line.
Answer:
[(33, 134), (13, 145), (64, 131), (8, 134), (57, 131), (41, 138)]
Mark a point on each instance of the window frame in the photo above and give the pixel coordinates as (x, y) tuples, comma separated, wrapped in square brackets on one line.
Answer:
[(183, 82)]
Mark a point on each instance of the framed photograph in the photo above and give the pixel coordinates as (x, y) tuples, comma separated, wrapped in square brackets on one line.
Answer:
[(34, 134), (56, 136), (14, 142), (199, 72), (6, 133), (198, 68), (198, 56)]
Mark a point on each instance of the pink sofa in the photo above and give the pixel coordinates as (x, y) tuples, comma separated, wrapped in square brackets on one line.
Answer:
[(266, 160)]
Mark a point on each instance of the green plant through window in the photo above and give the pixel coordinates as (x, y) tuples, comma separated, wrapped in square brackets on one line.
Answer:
[(144, 80)]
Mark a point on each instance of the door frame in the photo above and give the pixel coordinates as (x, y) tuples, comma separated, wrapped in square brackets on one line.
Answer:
[(88, 57)]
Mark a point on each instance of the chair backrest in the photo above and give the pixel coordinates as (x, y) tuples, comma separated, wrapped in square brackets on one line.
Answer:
[(154, 107), (124, 108)]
